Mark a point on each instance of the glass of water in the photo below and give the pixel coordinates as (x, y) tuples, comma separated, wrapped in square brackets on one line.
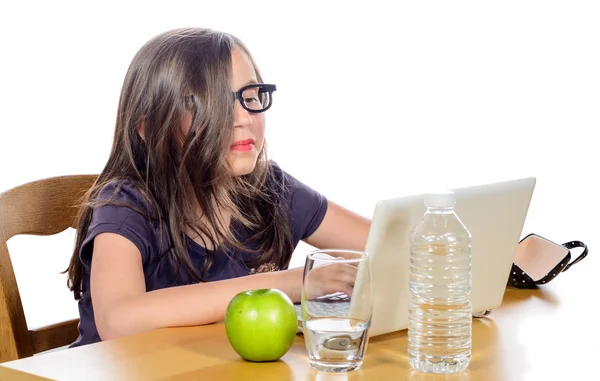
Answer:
[(336, 308)]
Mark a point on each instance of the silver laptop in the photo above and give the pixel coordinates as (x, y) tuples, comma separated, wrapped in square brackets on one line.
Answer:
[(493, 213)]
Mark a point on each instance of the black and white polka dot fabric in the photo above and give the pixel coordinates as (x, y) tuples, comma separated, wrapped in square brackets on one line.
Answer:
[(520, 279)]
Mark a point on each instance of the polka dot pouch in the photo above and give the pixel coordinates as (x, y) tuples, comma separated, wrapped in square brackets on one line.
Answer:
[(539, 260)]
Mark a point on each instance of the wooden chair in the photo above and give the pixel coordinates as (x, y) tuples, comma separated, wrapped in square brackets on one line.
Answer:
[(43, 207)]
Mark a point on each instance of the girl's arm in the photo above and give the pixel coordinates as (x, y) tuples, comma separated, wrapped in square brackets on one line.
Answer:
[(123, 307), (340, 229)]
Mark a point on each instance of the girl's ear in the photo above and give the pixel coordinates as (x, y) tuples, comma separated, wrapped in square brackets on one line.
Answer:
[(140, 127)]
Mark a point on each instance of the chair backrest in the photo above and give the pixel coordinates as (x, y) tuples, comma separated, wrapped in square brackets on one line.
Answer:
[(43, 207)]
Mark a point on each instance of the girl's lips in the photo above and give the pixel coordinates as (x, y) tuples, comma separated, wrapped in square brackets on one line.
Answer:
[(243, 145)]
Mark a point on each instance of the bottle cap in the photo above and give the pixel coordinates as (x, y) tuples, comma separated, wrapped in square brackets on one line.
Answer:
[(441, 199)]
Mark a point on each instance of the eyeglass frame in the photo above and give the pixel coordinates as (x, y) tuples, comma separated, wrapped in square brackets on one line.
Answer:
[(266, 87)]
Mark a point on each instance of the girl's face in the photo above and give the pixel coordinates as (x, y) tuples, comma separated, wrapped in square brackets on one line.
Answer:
[(249, 128)]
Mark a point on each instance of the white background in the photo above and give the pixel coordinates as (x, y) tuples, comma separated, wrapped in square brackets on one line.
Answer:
[(374, 101)]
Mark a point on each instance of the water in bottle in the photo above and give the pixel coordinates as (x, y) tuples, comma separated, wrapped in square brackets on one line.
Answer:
[(440, 316)]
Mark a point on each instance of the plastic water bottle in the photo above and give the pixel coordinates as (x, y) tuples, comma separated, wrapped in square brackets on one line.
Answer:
[(440, 315)]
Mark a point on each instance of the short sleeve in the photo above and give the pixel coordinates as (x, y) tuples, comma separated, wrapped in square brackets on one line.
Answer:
[(307, 206), (121, 211)]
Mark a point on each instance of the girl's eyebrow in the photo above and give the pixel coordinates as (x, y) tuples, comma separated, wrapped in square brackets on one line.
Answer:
[(250, 82)]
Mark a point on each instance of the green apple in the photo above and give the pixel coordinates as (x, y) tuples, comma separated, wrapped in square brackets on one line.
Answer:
[(261, 324)]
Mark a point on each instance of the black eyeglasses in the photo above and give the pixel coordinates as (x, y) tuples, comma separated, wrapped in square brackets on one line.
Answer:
[(257, 97)]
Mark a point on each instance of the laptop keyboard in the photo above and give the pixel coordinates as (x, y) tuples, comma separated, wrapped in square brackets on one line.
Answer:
[(337, 304)]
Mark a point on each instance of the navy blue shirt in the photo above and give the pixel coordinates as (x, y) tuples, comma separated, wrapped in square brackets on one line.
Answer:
[(306, 211)]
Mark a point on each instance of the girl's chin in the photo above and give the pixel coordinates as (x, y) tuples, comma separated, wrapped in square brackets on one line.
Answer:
[(243, 166)]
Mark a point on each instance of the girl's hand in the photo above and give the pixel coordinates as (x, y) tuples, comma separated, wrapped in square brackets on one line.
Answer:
[(329, 279)]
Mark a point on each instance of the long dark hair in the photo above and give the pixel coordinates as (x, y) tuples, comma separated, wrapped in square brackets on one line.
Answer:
[(188, 71)]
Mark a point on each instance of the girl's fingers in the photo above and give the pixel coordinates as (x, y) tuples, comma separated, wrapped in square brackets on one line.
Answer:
[(345, 288), (333, 278)]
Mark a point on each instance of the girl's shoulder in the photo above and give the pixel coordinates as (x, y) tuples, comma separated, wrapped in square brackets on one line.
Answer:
[(281, 181), (122, 206), (306, 206), (125, 193), (285, 184)]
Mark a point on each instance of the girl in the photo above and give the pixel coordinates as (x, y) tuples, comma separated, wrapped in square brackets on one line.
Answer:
[(188, 211)]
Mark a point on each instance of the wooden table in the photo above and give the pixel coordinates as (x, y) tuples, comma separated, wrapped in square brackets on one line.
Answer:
[(549, 333)]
